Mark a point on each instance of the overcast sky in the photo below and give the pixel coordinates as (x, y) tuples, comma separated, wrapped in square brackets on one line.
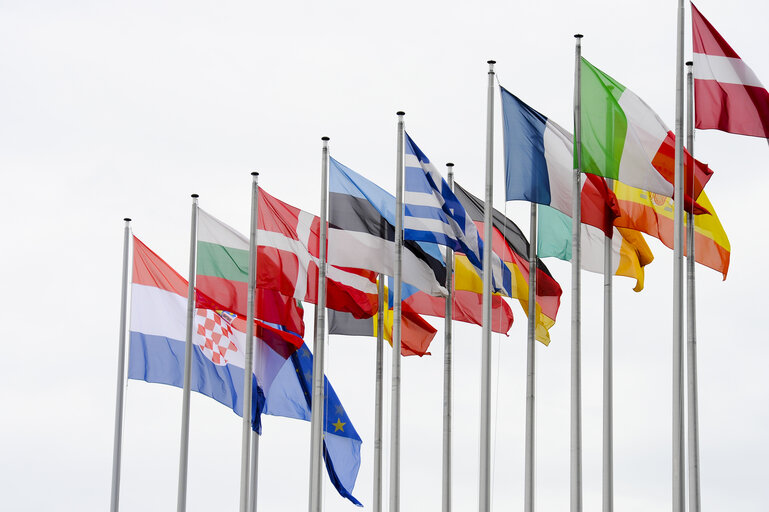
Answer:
[(114, 109)]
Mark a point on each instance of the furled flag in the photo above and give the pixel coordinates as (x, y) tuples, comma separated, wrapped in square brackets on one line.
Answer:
[(511, 246), (625, 140), (653, 214), (416, 332), (361, 232), (288, 257), (433, 214), (728, 96), (281, 361)]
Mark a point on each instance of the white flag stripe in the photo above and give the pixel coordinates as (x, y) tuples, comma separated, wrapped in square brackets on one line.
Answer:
[(726, 70), (411, 160), (423, 224), (212, 230), (420, 199)]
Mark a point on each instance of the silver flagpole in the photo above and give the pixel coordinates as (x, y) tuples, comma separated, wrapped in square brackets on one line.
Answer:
[(678, 473), (395, 405), (531, 381), (484, 495), (576, 297), (245, 449), (378, 395), (447, 369), (608, 376), (181, 498), (252, 492), (318, 395), (691, 330), (119, 390)]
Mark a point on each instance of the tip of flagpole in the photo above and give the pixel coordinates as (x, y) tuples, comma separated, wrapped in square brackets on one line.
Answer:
[(689, 63), (491, 62), (127, 219), (400, 113), (449, 164), (578, 36), (325, 139), (254, 173), (194, 196)]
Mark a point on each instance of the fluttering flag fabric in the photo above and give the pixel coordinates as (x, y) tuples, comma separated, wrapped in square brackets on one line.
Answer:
[(625, 140), (361, 232), (281, 361), (653, 214), (433, 214), (728, 96), (416, 332), (511, 246), (288, 256)]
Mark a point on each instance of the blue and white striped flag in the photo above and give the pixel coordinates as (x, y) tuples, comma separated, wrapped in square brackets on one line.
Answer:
[(432, 213)]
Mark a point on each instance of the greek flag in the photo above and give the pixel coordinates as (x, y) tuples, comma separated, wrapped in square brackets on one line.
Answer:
[(432, 213)]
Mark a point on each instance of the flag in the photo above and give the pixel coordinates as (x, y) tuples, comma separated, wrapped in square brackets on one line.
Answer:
[(156, 354), (629, 255), (361, 232), (728, 96), (416, 332), (433, 214), (653, 214), (511, 246), (222, 277), (288, 259), (625, 140)]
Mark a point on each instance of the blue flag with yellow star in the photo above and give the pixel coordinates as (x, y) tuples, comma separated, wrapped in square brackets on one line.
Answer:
[(290, 396)]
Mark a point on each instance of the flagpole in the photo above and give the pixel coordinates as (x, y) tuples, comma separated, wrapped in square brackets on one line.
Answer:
[(181, 498), (678, 482), (608, 376), (484, 498), (252, 494), (531, 381), (447, 367), (245, 449), (395, 420), (120, 389), (318, 416), (691, 330), (576, 298), (378, 397)]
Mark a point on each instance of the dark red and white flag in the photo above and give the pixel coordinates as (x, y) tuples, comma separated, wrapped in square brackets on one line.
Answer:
[(727, 94)]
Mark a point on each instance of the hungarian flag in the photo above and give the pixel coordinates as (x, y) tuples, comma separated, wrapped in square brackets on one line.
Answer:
[(625, 140), (728, 95), (511, 246)]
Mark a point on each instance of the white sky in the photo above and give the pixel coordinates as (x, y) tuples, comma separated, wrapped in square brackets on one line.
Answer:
[(114, 109)]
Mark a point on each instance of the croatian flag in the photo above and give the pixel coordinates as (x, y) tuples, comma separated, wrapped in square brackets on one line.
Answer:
[(156, 354), (728, 95)]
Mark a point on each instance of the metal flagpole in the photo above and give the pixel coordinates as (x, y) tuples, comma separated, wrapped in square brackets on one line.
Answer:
[(531, 381), (318, 395), (245, 450), (447, 368), (120, 389), (608, 376), (254, 472), (576, 297), (484, 497), (691, 325), (181, 498), (395, 405), (678, 472), (378, 395)]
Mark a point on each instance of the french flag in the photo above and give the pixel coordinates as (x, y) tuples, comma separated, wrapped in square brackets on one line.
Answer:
[(727, 94)]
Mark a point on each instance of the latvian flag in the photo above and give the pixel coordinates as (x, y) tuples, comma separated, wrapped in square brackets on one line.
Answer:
[(727, 94)]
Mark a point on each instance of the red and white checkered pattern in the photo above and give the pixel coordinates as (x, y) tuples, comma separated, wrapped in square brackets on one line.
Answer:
[(218, 336)]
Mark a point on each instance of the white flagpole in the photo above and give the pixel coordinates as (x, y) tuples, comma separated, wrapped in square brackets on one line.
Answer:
[(531, 381), (608, 376), (318, 395), (378, 397), (678, 472), (447, 368), (245, 450), (252, 493), (691, 331), (120, 389), (395, 409), (576, 297), (484, 496), (181, 498)]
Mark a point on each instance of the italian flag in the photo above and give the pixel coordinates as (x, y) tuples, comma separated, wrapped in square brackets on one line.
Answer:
[(625, 140)]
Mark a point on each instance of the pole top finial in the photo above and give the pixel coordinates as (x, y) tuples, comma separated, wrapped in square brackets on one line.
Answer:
[(254, 173), (194, 196), (449, 164), (689, 63), (578, 36), (127, 219), (400, 113), (491, 62), (325, 139)]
